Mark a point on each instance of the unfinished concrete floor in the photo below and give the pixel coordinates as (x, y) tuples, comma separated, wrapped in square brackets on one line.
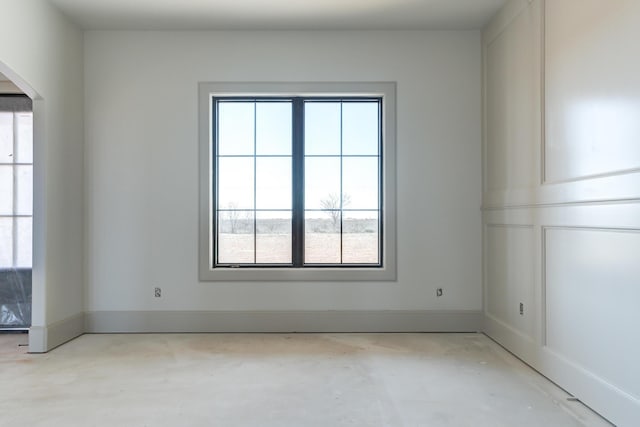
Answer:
[(278, 380)]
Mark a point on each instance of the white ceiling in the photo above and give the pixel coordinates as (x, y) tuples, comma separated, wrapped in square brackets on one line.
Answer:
[(279, 14)]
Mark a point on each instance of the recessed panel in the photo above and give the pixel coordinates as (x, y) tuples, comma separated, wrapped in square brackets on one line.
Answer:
[(510, 258), (592, 99), (592, 295), (512, 105)]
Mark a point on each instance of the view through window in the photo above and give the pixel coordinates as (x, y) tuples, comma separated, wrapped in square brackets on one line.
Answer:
[(16, 210), (297, 181)]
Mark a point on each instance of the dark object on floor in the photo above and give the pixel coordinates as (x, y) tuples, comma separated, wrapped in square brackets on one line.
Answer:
[(15, 298)]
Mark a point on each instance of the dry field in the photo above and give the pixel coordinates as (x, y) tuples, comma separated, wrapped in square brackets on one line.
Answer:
[(357, 248)]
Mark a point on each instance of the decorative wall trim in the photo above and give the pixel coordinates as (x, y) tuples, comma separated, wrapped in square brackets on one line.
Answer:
[(560, 204), (503, 19), (282, 321), (37, 339), (492, 318), (45, 338), (510, 338), (579, 177), (542, 55), (500, 225), (614, 404), (612, 173)]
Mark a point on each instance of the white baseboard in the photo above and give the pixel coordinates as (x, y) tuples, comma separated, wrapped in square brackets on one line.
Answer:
[(614, 404), (510, 338), (46, 338), (282, 321)]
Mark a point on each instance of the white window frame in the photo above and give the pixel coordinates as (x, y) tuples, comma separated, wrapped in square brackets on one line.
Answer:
[(386, 90)]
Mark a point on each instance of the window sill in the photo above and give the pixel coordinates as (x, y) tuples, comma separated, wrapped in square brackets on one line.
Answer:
[(324, 274)]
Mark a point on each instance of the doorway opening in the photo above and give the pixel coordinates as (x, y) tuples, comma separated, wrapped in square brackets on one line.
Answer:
[(16, 207)]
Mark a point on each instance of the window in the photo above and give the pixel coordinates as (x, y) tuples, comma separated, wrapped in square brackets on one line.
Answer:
[(295, 182)]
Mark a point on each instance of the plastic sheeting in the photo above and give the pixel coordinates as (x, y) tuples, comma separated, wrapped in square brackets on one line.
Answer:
[(15, 298)]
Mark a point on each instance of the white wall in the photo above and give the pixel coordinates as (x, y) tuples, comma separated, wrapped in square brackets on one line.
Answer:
[(561, 194), (142, 177), (42, 53)]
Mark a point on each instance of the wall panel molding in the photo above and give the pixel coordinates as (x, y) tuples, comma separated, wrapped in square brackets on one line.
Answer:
[(591, 95), (582, 199), (512, 90), (510, 278), (615, 404)]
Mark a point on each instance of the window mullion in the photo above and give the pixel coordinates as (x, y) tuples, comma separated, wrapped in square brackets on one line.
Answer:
[(341, 185), (297, 222), (255, 183)]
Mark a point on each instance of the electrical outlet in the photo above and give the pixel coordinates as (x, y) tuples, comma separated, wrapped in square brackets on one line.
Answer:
[(157, 292), (439, 292), (521, 309)]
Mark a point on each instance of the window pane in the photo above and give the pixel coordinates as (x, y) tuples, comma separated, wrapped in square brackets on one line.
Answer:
[(235, 237), (6, 242), (321, 182), (235, 183), (235, 128), (273, 183), (6, 190), (360, 128), (23, 249), (322, 237), (6, 137), (273, 128), (273, 237), (360, 182), (322, 128), (25, 138), (24, 189), (360, 237)]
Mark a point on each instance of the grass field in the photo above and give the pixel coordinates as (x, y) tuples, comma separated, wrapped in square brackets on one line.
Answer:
[(357, 248)]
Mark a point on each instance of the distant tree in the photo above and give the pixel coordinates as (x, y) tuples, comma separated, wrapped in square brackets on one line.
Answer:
[(233, 216), (332, 206)]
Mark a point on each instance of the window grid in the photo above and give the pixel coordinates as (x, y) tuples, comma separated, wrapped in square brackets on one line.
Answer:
[(254, 156), (341, 210), (297, 143), (15, 216)]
